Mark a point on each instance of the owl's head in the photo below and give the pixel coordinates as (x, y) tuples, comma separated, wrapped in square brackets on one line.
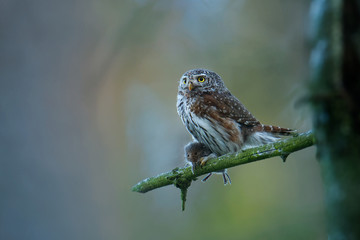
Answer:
[(201, 80)]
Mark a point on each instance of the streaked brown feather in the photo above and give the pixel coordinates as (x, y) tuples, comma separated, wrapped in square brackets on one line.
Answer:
[(274, 130), (218, 119), (227, 106)]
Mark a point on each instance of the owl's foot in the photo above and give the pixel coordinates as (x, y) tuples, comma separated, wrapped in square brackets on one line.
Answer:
[(203, 160)]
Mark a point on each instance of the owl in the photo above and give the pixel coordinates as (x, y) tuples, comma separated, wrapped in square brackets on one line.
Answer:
[(216, 118), (197, 154)]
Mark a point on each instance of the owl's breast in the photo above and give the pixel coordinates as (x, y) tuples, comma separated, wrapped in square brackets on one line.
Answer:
[(183, 109), (204, 122), (220, 135)]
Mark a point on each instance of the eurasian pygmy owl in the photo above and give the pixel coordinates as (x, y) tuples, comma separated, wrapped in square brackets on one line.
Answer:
[(197, 154), (217, 119)]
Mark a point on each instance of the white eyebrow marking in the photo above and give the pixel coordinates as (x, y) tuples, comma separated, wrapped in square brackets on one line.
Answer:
[(198, 75)]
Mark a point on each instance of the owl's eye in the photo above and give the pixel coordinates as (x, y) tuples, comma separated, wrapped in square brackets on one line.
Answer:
[(184, 81), (201, 79)]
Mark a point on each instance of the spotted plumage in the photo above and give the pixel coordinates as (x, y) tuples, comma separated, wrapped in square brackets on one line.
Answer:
[(217, 119)]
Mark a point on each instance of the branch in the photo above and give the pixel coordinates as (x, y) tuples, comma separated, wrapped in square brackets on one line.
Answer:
[(182, 177)]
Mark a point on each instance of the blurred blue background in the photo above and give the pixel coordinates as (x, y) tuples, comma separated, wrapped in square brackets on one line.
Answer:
[(88, 108)]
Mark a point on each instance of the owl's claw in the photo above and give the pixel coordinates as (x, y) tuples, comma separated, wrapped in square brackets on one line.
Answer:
[(203, 160)]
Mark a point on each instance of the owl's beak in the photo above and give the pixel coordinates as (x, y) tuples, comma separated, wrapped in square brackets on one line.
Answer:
[(191, 86)]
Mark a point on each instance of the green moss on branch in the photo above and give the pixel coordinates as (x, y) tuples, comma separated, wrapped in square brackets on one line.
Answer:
[(280, 148)]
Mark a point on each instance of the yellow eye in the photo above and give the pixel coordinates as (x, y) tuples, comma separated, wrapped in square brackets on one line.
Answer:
[(201, 79), (184, 80)]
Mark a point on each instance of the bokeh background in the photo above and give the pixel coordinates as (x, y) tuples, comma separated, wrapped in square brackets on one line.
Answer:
[(88, 108)]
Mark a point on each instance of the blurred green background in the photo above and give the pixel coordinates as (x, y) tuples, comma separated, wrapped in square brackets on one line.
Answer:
[(88, 108)]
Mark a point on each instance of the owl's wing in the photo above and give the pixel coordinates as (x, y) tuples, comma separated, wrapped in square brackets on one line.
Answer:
[(229, 106)]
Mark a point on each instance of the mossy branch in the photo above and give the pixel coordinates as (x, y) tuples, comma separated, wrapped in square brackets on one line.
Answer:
[(182, 177)]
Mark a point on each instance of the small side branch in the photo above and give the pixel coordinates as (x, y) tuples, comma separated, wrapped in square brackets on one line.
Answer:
[(184, 176)]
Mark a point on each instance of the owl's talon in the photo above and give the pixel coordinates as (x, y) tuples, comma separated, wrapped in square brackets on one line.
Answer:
[(203, 161)]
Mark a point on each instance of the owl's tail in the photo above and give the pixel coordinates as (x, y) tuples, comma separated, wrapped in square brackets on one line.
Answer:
[(277, 131)]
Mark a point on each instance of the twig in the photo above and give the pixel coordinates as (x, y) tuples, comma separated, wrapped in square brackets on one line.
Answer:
[(182, 177)]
